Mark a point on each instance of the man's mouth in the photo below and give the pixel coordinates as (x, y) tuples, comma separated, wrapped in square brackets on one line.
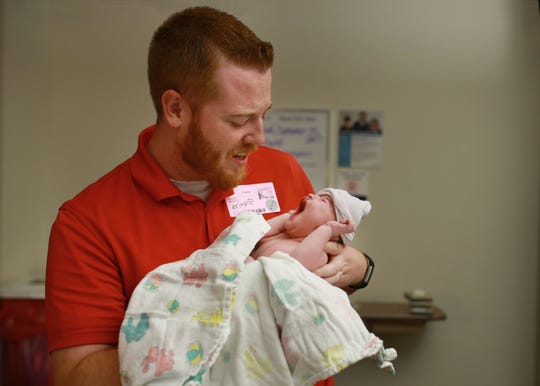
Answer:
[(242, 153), (240, 156)]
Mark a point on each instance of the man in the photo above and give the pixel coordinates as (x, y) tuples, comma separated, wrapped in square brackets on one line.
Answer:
[(347, 125), (362, 124), (210, 80)]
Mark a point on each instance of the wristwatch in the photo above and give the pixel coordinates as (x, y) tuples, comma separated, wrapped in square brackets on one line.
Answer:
[(367, 276)]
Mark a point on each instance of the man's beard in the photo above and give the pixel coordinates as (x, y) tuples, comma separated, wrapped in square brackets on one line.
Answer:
[(199, 153)]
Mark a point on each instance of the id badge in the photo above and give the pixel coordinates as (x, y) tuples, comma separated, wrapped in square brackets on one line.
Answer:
[(258, 198)]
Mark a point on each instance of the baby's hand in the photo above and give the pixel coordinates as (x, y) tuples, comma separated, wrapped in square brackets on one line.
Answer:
[(338, 228)]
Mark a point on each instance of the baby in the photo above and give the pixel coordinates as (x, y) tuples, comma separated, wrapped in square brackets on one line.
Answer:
[(319, 218), (210, 319)]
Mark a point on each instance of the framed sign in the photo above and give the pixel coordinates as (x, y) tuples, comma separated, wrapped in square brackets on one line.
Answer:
[(360, 139), (304, 134)]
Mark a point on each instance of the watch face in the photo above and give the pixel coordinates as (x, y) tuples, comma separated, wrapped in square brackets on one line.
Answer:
[(368, 274)]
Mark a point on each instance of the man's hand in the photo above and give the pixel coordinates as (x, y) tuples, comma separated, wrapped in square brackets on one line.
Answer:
[(87, 365), (345, 266)]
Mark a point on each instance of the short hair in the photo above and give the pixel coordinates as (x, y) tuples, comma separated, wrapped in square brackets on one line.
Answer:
[(186, 48)]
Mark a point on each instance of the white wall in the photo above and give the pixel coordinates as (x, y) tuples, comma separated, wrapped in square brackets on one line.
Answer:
[(456, 203)]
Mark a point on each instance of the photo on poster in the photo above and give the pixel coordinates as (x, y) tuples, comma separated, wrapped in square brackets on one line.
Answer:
[(360, 139)]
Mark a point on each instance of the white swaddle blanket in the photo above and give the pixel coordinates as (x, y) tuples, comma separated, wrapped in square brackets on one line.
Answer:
[(212, 320)]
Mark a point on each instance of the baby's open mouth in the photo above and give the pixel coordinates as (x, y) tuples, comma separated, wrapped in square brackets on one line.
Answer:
[(302, 205)]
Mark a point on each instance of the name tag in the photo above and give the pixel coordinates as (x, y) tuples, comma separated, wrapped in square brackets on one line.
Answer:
[(258, 198)]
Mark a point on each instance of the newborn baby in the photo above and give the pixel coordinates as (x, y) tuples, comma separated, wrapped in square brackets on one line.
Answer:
[(319, 218)]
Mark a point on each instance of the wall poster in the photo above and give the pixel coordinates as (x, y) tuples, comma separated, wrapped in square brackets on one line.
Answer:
[(360, 136), (353, 181), (304, 134), (360, 139)]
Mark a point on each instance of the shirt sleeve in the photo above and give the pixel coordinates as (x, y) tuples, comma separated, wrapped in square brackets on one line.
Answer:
[(85, 301)]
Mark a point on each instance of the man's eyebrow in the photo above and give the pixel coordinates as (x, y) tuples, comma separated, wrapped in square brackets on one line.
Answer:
[(240, 115), (247, 115)]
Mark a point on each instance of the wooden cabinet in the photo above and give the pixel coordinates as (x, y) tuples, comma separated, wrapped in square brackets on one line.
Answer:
[(23, 344)]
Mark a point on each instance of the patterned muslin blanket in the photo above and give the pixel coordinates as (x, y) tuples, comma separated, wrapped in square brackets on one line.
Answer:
[(212, 320)]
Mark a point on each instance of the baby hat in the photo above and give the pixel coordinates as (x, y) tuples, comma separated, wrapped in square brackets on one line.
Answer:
[(347, 207)]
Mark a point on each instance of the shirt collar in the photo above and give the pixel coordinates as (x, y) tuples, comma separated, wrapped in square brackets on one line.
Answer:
[(147, 173)]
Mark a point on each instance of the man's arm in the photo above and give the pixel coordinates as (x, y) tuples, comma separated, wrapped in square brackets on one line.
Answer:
[(87, 365), (349, 261), (82, 279)]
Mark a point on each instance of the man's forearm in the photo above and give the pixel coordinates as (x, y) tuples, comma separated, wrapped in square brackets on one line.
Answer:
[(96, 368)]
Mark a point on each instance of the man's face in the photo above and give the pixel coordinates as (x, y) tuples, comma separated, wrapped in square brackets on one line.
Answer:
[(362, 117), (228, 128)]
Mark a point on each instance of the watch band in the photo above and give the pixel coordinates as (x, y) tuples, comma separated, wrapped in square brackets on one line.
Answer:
[(368, 274)]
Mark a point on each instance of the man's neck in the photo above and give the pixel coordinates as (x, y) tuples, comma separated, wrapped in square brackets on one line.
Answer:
[(201, 189), (163, 149)]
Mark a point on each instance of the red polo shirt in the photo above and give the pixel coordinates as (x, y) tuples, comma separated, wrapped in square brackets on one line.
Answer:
[(127, 223)]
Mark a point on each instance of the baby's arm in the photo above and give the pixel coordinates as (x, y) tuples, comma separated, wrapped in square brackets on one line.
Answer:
[(310, 251), (276, 227), (276, 224)]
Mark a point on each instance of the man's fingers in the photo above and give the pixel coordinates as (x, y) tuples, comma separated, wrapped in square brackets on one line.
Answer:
[(326, 271), (330, 270), (333, 248)]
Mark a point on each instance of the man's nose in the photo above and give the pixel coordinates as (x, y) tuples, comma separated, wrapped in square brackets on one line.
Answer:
[(256, 136)]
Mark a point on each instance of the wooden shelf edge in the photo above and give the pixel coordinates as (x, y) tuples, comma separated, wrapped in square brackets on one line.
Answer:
[(395, 317)]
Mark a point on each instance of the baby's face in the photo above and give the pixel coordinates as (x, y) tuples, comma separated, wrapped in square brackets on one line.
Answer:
[(312, 212)]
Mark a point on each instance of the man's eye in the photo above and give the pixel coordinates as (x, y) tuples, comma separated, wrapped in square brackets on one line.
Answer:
[(237, 123)]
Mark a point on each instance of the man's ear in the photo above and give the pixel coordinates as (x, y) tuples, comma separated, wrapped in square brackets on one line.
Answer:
[(175, 108)]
